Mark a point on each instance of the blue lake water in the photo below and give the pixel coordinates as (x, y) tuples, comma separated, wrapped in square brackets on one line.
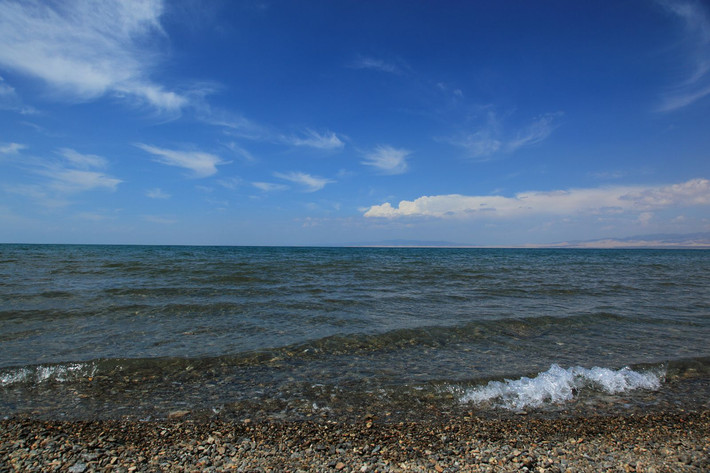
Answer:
[(107, 331)]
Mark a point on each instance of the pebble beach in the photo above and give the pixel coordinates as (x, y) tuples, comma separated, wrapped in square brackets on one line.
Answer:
[(654, 442)]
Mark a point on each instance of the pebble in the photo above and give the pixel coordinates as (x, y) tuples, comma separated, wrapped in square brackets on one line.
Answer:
[(657, 442)]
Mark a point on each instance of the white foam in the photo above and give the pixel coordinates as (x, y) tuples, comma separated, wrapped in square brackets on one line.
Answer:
[(15, 376), (43, 373), (558, 385)]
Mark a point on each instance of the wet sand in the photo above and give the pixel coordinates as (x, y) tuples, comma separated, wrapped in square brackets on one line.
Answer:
[(653, 442)]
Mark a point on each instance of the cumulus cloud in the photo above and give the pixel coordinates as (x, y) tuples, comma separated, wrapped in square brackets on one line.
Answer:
[(84, 50), (201, 164), (311, 183), (603, 200), (696, 52), (388, 160)]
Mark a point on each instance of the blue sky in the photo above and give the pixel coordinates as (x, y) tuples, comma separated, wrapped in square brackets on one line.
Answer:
[(319, 122)]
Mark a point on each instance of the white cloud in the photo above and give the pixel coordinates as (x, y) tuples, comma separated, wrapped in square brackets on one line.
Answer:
[(11, 148), (599, 201), (480, 144), (93, 216), (10, 100), (388, 160), (159, 220), (83, 161), (157, 193), (313, 139), (491, 138), (311, 183), (696, 44), (83, 50), (269, 187), (364, 62), (201, 164), (535, 132), (234, 123), (72, 173), (230, 183), (241, 152), (77, 172), (75, 180)]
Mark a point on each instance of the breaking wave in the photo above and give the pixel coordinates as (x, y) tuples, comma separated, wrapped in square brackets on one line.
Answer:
[(47, 373), (558, 385)]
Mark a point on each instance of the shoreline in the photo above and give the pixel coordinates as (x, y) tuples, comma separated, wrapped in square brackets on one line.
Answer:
[(651, 442)]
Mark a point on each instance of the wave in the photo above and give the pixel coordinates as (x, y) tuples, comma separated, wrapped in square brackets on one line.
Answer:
[(47, 373), (558, 385)]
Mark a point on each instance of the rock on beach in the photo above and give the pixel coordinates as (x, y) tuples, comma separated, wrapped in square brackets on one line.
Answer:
[(658, 442)]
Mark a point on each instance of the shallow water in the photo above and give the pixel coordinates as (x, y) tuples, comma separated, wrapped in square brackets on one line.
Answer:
[(110, 331)]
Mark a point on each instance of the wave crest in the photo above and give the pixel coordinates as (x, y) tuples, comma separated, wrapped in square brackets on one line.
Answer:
[(558, 385), (46, 373)]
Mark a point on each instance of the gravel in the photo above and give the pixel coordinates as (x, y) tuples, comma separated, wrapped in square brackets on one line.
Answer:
[(655, 442)]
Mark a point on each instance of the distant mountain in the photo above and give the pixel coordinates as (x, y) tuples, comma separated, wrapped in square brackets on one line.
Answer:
[(408, 244), (658, 240)]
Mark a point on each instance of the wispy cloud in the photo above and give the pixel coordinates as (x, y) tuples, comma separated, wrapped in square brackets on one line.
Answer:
[(157, 193), (269, 186), (327, 140), (367, 62), (72, 173), (67, 180), (84, 50), (200, 163), (388, 160), (538, 130), (696, 43), (493, 138), (239, 126), (83, 161), (11, 148), (310, 183), (10, 100), (76, 172), (159, 220), (234, 124), (241, 152), (60, 178), (602, 200), (230, 183)]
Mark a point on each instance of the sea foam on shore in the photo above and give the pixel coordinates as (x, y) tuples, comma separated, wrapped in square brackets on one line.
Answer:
[(558, 385)]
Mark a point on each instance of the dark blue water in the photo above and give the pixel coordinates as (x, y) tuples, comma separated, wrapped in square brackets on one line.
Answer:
[(88, 329)]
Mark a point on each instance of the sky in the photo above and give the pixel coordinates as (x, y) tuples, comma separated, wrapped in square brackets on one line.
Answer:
[(337, 122)]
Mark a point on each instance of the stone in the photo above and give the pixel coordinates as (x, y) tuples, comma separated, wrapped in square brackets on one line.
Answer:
[(177, 414)]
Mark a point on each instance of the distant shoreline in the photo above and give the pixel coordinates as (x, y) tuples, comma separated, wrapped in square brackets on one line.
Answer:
[(551, 246)]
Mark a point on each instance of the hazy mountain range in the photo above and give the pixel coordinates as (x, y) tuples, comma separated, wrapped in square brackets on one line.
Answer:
[(660, 240)]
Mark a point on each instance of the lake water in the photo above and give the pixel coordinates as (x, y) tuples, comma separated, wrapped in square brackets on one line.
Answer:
[(146, 331)]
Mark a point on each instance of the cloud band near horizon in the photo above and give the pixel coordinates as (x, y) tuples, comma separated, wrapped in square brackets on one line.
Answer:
[(601, 200)]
